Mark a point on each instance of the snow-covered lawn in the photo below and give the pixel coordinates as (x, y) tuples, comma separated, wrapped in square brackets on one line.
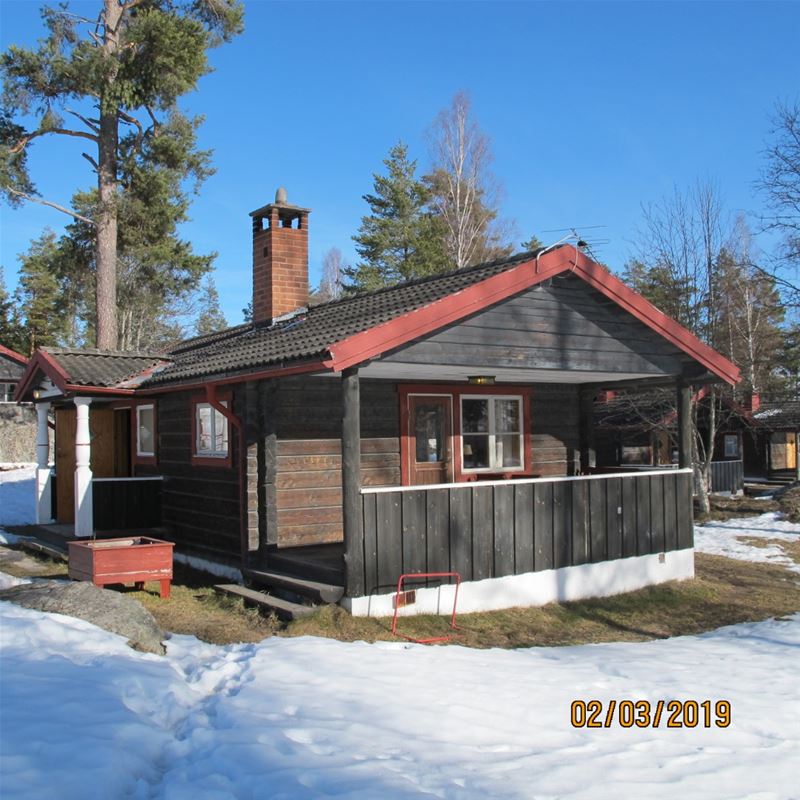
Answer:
[(725, 539), (82, 716)]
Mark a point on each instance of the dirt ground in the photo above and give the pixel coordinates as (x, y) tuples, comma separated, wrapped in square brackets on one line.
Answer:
[(723, 592)]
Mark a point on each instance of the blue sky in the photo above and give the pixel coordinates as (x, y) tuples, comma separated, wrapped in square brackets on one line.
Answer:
[(592, 109)]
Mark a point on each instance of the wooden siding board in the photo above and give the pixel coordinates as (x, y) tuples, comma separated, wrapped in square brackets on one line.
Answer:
[(543, 526), (414, 527), (657, 514), (599, 520), (643, 535), (670, 512), (684, 511), (614, 514), (562, 524), (461, 533), (370, 542), (628, 518), (523, 528), (581, 528), (483, 531), (390, 541), (437, 506), (504, 530)]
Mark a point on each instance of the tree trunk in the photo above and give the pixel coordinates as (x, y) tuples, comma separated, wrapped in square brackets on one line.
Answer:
[(106, 255)]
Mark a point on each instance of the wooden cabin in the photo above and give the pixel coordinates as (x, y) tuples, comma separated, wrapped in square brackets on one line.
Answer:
[(17, 422), (441, 425), (778, 444)]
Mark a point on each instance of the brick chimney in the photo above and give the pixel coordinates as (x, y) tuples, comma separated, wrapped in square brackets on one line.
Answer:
[(752, 402), (280, 258)]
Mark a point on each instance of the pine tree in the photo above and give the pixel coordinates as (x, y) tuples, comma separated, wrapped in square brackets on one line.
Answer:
[(12, 333), (112, 74), (400, 239), (210, 319), (534, 243)]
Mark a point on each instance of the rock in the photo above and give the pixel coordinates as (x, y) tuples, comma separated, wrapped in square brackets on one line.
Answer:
[(109, 610)]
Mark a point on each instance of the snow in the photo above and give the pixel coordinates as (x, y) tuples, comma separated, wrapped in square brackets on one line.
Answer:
[(722, 539), (308, 718), (85, 717), (17, 495)]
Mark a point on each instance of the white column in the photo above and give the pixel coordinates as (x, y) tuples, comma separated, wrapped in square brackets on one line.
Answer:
[(44, 501), (84, 521)]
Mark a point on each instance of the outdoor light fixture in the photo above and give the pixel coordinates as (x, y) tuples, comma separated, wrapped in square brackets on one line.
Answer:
[(481, 380), (36, 394)]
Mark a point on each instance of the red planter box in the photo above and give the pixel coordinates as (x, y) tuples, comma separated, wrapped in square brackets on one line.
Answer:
[(134, 559)]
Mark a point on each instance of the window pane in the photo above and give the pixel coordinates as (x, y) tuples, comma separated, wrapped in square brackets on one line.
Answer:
[(731, 446), (506, 416), (204, 432), (220, 433), (507, 451), (429, 433), (475, 415), (146, 430), (476, 451)]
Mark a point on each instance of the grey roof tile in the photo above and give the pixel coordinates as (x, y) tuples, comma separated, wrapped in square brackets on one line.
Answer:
[(102, 368)]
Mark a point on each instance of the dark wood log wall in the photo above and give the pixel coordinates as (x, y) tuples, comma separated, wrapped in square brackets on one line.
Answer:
[(308, 474), (126, 504), (555, 429), (200, 505), (495, 530)]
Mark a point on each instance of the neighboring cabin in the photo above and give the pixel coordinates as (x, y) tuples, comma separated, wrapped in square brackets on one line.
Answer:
[(17, 423), (440, 425)]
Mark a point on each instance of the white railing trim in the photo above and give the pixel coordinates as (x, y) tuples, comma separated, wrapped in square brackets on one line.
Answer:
[(121, 480), (519, 481)]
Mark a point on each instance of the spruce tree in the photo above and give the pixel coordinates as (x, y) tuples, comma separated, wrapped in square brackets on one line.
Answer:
[(120, 72), (400, 239), (12, 333), (38, 295), (210, 318)]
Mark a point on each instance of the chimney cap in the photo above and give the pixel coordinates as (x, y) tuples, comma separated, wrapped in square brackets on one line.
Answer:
[(281, 198)]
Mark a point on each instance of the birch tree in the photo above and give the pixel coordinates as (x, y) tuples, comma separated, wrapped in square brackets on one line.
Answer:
[(464, 192)]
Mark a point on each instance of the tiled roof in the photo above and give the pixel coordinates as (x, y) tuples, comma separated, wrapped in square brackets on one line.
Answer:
[(102, 368), (783, 416), (309, 334), (10, 369)]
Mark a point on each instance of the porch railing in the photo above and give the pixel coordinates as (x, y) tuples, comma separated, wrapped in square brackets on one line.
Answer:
[(126, 503), (727, 476), (496, 528)]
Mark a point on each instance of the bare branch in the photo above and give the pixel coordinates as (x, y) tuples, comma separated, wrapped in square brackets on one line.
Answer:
[(85, 120), (28, 137), (94, 164), (50, 204)]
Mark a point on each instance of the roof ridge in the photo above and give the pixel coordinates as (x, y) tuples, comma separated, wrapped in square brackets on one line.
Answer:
[(94, 351), (510, 260)]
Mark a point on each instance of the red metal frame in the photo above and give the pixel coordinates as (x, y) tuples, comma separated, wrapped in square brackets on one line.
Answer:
[(454, 391), (419, 576)]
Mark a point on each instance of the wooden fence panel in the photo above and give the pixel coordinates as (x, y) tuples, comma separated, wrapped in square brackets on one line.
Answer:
[(489, 531)]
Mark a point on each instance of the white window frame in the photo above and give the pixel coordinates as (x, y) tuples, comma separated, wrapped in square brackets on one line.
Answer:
[(139, 452), (7, 389), (215, 414), (492, 433), (731, 437)]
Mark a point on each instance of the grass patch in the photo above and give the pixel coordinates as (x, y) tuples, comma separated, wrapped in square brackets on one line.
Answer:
[(724, 592), (723, 508), (789, 503)]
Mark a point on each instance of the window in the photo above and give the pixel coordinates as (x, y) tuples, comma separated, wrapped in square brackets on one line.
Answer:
[(145, 430), (491, 433), (7, 392), (731, 445), (211, 431)]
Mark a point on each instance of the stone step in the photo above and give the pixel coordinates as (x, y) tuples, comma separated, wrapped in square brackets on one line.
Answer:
[(51, 551), (284, 609), (315, 590)]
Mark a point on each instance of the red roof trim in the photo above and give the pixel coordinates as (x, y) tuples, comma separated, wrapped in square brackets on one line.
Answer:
[(414, 324), (12, 354), (41, 360)]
